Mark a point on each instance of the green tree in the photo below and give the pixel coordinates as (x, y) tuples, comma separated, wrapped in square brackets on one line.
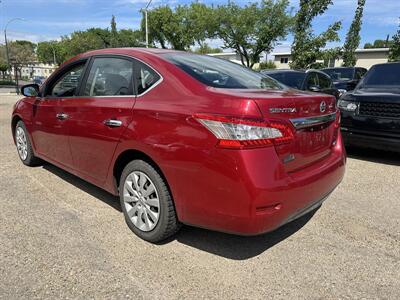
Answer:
[(394, 52), (308, 47), (379, 44), (353, 37), (205, 49), (114, 33), (21, 54), (254, 28), (130, 38), (268, 64), (3, 61), (49, 51), (203, 22)]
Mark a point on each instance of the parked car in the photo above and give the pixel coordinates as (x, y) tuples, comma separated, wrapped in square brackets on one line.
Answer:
[(309, 80), (345, 79), (371, 113), (184, 138), (38, 79)]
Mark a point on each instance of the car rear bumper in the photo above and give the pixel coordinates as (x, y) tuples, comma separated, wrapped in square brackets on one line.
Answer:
[(260, 196), (370, 141)]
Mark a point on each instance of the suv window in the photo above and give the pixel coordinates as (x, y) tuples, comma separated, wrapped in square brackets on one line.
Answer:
[(146, 77), (67, 84), (109, 76), (324, 81), (360, 73)]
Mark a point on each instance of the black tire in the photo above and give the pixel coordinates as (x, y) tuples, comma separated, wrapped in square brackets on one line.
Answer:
[(30, 160), (168, 223)]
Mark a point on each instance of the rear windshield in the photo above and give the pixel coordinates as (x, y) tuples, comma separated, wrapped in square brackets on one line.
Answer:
[(340, 74), (220, 73), (383, 75), (292, 79)]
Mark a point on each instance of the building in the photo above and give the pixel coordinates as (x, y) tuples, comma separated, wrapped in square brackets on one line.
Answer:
[(36, 69), (365, 58)]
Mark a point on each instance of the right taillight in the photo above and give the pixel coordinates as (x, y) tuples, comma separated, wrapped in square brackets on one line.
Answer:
[(241, 133), (337, 127)]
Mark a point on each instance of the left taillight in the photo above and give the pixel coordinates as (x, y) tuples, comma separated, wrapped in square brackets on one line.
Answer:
[(241, 133)]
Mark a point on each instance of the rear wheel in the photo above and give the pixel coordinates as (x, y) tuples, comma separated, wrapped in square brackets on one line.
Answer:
[(146, 202), (24, 146)]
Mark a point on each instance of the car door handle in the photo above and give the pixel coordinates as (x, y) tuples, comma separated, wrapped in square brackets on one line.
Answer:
[(62, 116), (112, 123)]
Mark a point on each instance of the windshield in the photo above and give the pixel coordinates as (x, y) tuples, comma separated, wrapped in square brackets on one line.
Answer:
[(220, 73), (292, 79), (340, 74), (387, 75)]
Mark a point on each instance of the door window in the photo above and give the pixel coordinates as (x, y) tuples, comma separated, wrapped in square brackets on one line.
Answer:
[(312, 80), (109, 76), (324, 81), (360, 73), (146, 77), (67, 84)]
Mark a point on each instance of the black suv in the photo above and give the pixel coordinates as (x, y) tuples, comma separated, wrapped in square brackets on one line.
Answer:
[(371, 113), (345, 79)]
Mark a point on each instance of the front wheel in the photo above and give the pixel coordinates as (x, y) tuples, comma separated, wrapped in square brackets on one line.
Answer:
[(24, 146), (146, 202)]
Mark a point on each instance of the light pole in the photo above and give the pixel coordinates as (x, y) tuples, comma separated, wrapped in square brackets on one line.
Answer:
[(145, 20), (5, 39), (54, 54), (7, 53)]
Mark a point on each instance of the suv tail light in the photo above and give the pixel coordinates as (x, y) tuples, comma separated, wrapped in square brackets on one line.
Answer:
[(241, 133)]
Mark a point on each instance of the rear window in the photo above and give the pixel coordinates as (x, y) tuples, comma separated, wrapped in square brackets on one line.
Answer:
[(340, 74), (383, 75), (292, 79), (220, 73)]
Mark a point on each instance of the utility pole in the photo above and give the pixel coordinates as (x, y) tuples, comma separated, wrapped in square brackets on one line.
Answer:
[(146, 26)]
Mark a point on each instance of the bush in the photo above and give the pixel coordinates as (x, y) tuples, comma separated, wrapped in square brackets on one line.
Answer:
[(7, 82), (267, 65)]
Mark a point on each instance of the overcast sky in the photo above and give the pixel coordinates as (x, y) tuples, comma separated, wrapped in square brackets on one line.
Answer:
[(45, 19)]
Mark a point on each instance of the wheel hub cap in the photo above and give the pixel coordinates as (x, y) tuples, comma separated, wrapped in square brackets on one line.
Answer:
[(141, 201), (22, 145)]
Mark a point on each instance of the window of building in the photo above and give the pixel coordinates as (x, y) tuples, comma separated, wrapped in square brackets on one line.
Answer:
[(284, 60)]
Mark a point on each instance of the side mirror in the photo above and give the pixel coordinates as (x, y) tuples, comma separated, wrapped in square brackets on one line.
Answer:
[(314, 88), (30, 90)]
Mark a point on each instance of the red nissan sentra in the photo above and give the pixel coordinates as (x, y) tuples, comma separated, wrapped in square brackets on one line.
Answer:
[(184, 139)]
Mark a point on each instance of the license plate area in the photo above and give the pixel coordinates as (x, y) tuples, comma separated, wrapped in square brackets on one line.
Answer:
[(314, 139)]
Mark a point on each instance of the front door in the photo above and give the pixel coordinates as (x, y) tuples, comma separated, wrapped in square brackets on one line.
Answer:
[(100, 113), (50, 133)]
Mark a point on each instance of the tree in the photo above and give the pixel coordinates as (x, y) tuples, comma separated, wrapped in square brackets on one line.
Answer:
[(268, 64), (394, 52), (203, 22), (205, 49), (21, 53), (114, 33), (307, 46), (254, 28), (49, 52), (379, 44), (3, 61), (353, 37)]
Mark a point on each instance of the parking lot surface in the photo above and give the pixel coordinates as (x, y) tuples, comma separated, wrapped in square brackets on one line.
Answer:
[(61, 237)]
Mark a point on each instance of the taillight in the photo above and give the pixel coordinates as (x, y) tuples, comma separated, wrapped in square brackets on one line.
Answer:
[(240, 133), (337, 126)]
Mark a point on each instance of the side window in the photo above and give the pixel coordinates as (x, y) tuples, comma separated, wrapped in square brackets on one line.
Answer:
[(360, 73), (109, 76), (67, 84), (312, 80), (146, 77), (324, 81)]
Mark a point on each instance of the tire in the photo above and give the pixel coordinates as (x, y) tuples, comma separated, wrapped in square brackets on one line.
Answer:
[(150, 220), (24, 146)]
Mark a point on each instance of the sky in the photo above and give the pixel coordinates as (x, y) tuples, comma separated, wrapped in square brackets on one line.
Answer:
[(49, 19)]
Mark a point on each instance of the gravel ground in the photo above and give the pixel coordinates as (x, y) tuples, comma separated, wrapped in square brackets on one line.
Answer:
[(61, 237)]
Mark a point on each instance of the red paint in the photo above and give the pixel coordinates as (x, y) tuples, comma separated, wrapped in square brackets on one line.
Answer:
[(246, 191)]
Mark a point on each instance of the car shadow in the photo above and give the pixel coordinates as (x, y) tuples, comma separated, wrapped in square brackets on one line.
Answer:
[(222, 244), (372, 155), (85, 186)]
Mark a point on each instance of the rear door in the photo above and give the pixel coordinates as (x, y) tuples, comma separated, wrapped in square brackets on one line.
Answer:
[(100, 113)]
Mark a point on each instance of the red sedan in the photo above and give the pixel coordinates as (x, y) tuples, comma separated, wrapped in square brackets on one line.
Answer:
[(184, 139)]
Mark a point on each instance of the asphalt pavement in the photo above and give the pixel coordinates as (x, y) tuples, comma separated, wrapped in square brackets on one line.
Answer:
[(61, 237)]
